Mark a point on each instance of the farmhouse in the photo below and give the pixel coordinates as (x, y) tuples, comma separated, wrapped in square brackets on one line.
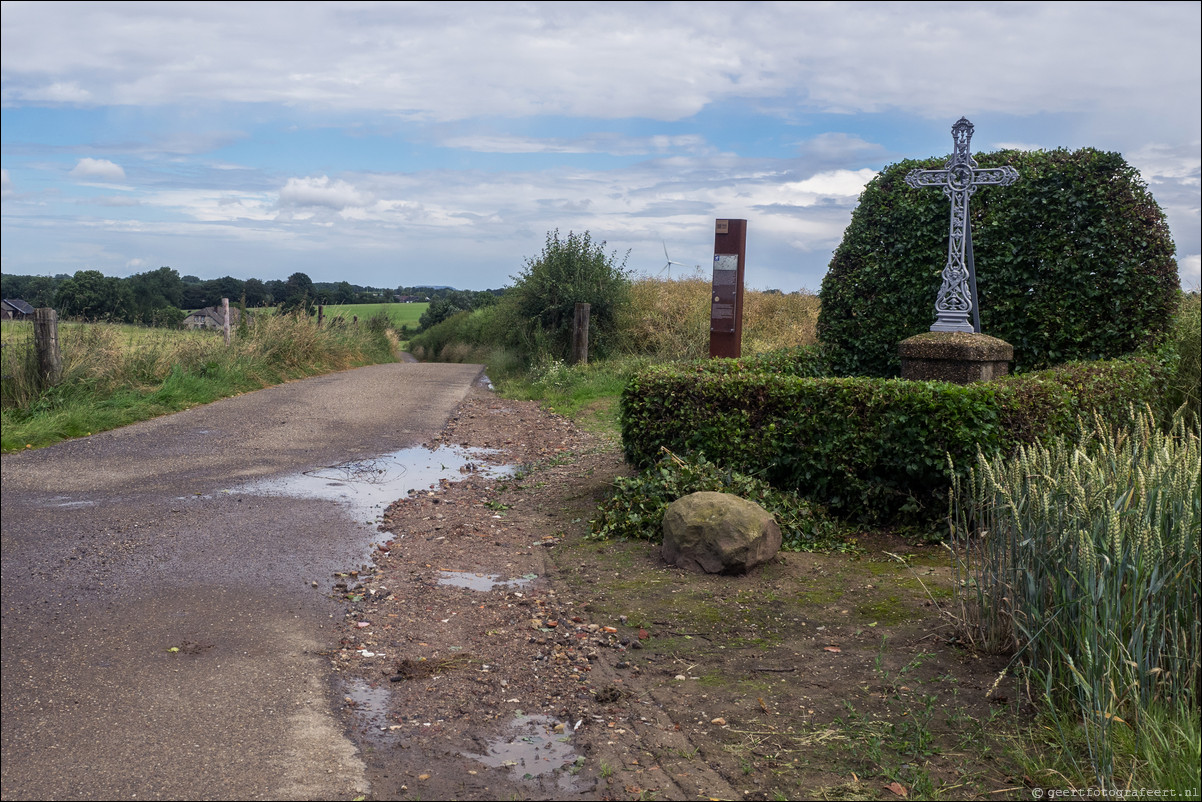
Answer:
[(211, 317), (15, 309)]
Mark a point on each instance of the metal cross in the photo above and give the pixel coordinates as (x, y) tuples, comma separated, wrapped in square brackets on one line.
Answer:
[(959, 178)]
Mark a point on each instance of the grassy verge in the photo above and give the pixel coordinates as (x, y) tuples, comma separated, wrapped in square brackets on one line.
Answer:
[(117, 375)]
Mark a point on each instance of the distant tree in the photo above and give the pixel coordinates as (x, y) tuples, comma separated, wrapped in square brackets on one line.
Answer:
[(224, 287), (92, 295), (37, 291), (298, 293), (154, 291), (255, 292), (190, 280)]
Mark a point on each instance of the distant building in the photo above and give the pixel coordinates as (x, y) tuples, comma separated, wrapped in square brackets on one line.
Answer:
[(410, 299), (15, 309), (211, 317)]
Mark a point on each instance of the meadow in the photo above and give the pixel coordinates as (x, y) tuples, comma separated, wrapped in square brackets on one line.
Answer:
[(400, 315)]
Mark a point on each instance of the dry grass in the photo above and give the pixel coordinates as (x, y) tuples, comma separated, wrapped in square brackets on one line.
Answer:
[(669, 319)]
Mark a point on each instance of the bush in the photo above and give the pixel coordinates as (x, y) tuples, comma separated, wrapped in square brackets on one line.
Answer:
[(637, 505), (1074, 262), (871, 449), (569, 271)]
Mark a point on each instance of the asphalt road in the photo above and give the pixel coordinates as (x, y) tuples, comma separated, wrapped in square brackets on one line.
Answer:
[(122, 547)]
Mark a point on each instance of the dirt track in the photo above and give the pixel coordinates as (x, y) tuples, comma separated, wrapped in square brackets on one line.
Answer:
[(597, 671)]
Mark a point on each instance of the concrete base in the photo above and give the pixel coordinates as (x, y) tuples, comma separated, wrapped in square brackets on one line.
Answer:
[(956, 357)]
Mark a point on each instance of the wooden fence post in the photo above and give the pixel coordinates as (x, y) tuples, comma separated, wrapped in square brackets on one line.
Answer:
[(225, 310), (580, 335), (321, 313), (45, 340)]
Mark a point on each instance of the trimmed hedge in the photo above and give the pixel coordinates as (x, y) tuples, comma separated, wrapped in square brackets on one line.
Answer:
[(870, 449), (1074, 262)]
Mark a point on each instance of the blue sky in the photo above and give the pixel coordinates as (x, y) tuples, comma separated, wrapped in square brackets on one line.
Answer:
[(394, 144)]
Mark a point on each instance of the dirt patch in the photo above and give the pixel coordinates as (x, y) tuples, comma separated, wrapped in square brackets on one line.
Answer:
[(494, 652)]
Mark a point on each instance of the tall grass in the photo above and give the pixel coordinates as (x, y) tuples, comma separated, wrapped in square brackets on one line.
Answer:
[(668, 319), (115, 375), (1182, 355), (1083, 558)]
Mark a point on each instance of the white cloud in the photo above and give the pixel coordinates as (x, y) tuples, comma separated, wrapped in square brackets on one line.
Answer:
[(6, 184), (650, 60), (308, 192), (1191, 272), (612, 144), (97, 170)]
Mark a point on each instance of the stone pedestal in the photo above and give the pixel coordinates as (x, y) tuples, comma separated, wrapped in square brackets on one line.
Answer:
[(954, 357)]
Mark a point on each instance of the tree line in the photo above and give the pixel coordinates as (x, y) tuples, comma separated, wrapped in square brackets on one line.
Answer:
[(160, 297)]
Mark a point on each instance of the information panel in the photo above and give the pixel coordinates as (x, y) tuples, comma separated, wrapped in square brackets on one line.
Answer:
[(726, 292)]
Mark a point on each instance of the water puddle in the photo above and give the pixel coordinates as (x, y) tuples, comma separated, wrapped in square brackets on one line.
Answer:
[(368, 486), (370, 706), (481, 582), (534, 748)]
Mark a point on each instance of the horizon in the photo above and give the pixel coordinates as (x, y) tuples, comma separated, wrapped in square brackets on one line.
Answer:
[(391, 141)]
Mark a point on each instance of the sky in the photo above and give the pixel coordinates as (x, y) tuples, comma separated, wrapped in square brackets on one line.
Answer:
[(398, 144)]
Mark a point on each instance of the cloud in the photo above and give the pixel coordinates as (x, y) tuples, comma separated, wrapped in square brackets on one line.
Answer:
[(608, 61), (6, 184), (308, 192), (608, 143), (97, 170), (1191, 272)]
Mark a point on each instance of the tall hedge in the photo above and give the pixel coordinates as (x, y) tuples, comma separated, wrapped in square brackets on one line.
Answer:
[(1074, 262)]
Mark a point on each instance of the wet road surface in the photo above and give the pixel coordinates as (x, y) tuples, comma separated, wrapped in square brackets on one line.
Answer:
[(161, 634)]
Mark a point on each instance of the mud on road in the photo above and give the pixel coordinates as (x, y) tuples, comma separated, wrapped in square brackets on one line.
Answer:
[(492, 651)]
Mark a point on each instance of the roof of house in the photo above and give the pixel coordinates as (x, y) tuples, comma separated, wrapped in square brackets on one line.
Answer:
[(19, 306)]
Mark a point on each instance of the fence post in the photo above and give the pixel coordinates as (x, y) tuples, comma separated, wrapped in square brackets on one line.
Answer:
[(580, 335), (225, 311), (45, 340), (321, 313)]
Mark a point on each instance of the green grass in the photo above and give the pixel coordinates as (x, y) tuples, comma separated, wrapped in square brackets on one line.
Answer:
[(399, 314), (588, 393), (117, 375)]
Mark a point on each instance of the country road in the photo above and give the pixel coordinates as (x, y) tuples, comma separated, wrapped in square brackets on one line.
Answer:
[(162, 637)]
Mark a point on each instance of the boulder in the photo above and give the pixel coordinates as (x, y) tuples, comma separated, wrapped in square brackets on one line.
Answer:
[(718, 533)]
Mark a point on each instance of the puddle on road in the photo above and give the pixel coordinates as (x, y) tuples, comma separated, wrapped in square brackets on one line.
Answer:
[(481, 582), (533, 748), (370, 706), (368, 486)]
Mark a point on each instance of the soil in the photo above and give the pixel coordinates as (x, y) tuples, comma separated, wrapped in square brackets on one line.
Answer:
[(595, 670)]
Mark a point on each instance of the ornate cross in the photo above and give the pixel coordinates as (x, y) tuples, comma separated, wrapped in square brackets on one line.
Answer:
[(959, 178)]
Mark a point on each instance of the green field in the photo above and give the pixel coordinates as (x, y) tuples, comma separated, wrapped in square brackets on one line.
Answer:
[(401, 314)]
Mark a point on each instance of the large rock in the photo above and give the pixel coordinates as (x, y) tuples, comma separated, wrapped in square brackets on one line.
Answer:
[(719, 533)]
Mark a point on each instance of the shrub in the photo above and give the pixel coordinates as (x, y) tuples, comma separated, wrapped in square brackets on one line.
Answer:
[(569, 271), (637, 505), (1074, 261), (868, 448)]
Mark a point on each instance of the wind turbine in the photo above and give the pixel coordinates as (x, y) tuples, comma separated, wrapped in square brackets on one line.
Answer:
[(668, 267)]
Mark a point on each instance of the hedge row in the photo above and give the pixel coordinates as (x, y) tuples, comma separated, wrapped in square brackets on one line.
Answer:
[(870, 449)]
